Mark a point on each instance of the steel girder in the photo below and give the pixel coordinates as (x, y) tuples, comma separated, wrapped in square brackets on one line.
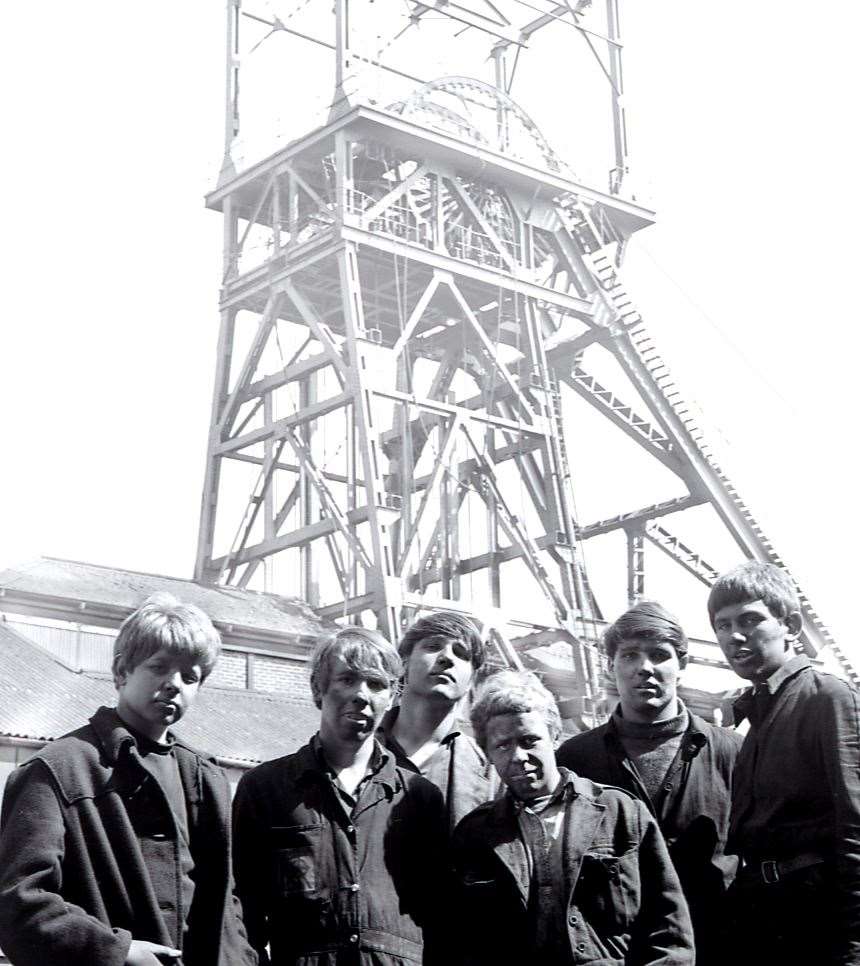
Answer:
[(416, 336)]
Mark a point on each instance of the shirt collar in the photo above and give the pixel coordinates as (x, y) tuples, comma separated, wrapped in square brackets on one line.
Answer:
[(387, 729), (379, 768), (783, 673), (563, 791)]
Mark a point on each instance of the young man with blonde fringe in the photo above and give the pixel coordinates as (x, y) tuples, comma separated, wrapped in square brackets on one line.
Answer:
[(339, 853), (115, 840)]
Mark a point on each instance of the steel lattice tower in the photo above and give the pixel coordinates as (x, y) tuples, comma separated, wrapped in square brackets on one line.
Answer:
[(414, 292)]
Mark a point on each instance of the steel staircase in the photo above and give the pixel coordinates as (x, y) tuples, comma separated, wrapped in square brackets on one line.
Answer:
[(595, 237)]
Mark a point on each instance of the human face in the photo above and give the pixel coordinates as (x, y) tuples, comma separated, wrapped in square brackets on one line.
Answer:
[(157, 693), (353, 704), (439, 668), (755, 642), (646, 675), (523, 753)]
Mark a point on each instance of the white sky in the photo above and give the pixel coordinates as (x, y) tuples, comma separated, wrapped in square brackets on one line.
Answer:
[(741, 127)]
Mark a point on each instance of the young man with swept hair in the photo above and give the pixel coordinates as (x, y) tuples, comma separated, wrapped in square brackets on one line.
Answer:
[(115, 847), (675, 762), (441, 654), (559, 870), (339, 853), (795, 816)]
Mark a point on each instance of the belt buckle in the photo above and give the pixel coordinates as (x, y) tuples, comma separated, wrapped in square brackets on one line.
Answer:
[(770, 872)]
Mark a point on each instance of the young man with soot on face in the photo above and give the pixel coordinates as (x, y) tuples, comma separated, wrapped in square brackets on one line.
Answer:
[(795, 816), (340, 854), (115, 847), (674, 761), (559, 870)]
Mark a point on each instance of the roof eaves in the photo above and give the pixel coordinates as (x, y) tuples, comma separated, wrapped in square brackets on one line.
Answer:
[(99, 614)]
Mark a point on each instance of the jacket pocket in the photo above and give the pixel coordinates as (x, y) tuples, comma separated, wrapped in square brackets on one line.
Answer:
[(608, 890), (296, 853)]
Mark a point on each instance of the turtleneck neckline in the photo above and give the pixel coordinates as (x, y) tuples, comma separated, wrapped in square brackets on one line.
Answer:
[(652, 729)]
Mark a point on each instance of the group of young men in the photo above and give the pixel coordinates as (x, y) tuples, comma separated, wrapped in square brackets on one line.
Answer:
[(393, 837)]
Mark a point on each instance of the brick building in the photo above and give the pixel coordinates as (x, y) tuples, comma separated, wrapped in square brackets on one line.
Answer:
[(58, 621)]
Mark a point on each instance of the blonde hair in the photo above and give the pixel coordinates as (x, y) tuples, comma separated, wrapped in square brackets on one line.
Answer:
[(362, 649), (163, 622), (513, 692)]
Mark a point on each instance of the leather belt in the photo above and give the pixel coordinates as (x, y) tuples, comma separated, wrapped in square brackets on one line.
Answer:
[(770, 871)]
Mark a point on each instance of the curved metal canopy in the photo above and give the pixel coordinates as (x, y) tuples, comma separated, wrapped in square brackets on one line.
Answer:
[(473, 110)]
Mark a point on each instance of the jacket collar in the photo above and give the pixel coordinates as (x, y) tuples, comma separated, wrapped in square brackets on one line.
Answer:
[(790, 669), (112, 762), (116, 739), (113, 736)]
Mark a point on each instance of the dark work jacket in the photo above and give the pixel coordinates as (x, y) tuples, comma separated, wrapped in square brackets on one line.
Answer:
[(458, 768), (323, 886), (88, 841), (621, 899), (797, 790), (693, 810)]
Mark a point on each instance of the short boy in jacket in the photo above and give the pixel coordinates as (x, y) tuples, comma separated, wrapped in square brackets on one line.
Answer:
[(115, 838), (560, 871)]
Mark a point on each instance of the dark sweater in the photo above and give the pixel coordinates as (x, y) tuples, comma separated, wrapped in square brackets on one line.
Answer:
[(652, 746)]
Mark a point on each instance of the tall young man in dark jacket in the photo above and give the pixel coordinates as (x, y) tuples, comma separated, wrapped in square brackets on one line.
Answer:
[(339, 853), (677, 763), (441, 654), (795, 818), (115, 841)]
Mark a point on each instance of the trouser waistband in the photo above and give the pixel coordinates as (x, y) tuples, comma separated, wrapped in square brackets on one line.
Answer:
[(770, 871)]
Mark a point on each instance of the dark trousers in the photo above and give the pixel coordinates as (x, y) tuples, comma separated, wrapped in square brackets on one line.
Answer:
[(789, 922)]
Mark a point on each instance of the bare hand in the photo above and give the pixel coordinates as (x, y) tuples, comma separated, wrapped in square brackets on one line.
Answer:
[(143, 953)]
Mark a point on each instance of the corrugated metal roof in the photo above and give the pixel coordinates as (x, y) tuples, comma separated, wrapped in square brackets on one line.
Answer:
[(41, 698), (127, 589)]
